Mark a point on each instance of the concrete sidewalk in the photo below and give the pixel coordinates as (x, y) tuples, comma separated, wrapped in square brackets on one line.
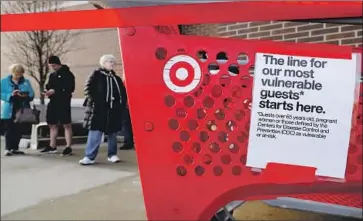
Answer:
[(50, 187), (39, 187)]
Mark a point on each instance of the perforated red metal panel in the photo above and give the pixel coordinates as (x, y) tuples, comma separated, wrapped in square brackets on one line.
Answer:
[(194, 145)]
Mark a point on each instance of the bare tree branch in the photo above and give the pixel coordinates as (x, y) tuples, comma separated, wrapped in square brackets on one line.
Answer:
[(33, 48)]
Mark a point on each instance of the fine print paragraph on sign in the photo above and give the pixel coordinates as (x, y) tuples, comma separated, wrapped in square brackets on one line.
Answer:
[(302, 112)]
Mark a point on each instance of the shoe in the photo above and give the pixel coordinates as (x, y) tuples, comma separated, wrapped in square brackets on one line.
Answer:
[(8, 153), (113, 159), (49, 150), (86, 161), (17, 152), (67, 152)]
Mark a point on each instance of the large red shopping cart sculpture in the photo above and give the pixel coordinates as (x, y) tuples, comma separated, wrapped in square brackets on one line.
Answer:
[(181, 119)]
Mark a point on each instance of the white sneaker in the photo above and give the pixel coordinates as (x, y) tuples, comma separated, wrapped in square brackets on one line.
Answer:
[(113, 159), (8, 153), (86, 161)]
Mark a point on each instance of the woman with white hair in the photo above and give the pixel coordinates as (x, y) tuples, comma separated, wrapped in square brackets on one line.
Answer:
[(16, 93), (105, 102)]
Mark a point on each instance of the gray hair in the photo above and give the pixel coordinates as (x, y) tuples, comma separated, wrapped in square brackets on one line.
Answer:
[(105, 58)]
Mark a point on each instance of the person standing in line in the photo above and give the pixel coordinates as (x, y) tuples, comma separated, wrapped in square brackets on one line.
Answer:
[(59, 89), (105, 102), (126, 131), (16, 93)]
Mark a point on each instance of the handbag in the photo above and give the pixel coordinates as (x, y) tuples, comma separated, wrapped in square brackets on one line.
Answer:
[(27, 115)]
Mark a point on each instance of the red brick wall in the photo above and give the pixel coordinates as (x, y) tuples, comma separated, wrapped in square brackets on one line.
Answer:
[(283, 31)]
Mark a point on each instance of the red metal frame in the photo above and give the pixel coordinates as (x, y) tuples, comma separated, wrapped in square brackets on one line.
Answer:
[(183, 178), (193, 197), (182, 14)]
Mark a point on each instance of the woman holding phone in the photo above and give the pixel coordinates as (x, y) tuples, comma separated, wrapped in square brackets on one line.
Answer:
[(16, 93)]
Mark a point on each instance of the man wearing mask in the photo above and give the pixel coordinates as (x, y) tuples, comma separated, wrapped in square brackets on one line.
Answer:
[(59, 89)]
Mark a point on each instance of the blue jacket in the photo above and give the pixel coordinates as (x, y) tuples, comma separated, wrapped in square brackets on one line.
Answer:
[(7, 88)]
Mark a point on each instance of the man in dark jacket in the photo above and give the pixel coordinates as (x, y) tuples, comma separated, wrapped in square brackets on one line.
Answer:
[(59, 89)]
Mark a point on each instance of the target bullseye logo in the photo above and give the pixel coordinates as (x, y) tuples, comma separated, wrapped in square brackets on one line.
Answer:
[(182, 74)]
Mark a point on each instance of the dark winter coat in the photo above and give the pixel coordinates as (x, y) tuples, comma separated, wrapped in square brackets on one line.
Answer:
[(63, 84), (105, 101)]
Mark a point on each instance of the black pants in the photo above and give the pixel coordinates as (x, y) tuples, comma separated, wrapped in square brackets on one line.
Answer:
[(127, 129), (13, 134)]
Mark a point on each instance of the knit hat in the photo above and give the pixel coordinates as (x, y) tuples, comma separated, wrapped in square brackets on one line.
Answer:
[(54, 60)]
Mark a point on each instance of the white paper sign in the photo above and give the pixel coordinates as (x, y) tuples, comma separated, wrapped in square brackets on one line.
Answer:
[(302, 112)]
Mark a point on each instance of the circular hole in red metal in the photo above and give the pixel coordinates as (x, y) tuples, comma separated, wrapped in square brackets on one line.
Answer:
[(352, 149), (233, 70), (192, 125), (225, 80), (204, 137), (351, 169), (218, 171), (239, 115), (214, 148), (237, 92), (220, 114), (201, 113), (226, 159), (212, 125), (188, 159), (184, 136), (207, 159), (233, 148), (228, 103), (231, 125), (181, 112), (208, 102), (242, 137), (196, 147), (359, 117), (217, 91), (222, 57), (189, 101), (199, 171), (213, 68), (177, 147), (181, 171), (161, 53), (245, 82), (169, 101), (222, 136), (202, 55), (173, 124), (242, 59), (236, 170)]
